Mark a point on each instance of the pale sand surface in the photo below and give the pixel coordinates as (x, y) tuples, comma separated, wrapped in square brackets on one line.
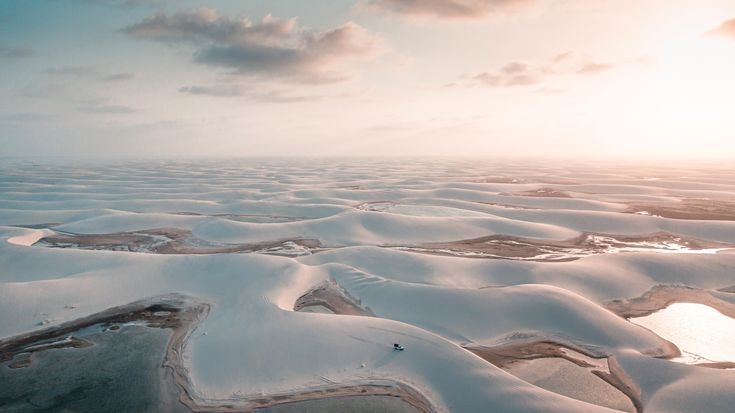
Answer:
[(295, 278)]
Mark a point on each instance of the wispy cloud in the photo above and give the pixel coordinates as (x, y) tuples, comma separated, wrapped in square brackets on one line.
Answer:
[(270, 48), (15, 52), (87, 72), (103, 107), (70, 71), (593, 67), (24, 116), (447, 9), (526, 74), (249, 93), (123, 3), (72, 96), (726, 29), (117, 77)]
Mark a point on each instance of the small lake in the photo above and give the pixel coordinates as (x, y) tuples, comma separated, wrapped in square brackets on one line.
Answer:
[(702, 333)]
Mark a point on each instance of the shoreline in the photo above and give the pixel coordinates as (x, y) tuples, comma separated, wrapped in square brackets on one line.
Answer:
[(182, 315), (663, 295)]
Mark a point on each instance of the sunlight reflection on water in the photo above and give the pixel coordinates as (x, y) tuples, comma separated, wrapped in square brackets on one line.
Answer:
[(702, 333)]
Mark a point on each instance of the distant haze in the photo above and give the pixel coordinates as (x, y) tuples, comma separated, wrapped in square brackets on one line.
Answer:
[(490, 78)]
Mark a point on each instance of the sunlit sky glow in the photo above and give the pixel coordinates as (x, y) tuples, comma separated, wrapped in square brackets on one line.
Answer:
[(564, 78)]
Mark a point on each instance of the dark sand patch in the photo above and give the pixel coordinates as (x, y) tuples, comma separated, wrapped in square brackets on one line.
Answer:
[(508, 357), (531, 249), (175, 241), (618, 379), (509, 206), (499, 180), (523, 180), (37, 226), (566, 378), (375, 206), (254, 218), (354, 404), (505, 355), (330, 295), (696, 209), (361, 395), (544, 192)]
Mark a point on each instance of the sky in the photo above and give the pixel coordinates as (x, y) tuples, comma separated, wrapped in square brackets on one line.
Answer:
[(490, 78)]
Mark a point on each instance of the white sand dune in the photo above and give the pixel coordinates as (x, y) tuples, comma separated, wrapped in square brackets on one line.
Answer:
[(253, 344)]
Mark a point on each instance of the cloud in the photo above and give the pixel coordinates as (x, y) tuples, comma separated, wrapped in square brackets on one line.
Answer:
[(516, 73), (270, 48), (24, 116), (15, 52), (448, 9), (123, 3), (117, 77), (726, 29), (88, 72), (103, 107), (592, 68), (239, 91), (512, 74), (80, 71), (206, 24)]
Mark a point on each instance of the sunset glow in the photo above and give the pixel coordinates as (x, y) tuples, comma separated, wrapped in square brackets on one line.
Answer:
[(370, 77)]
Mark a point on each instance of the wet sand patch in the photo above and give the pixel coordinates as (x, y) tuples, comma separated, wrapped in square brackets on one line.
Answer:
[(695, 209), (375, 206), (37, 226), (499, 180), (252, 218), (354, 404), (544, 192), (330, 295), (175, 241), (565, 368), (530, 249), (505, 355), (569, 379), (510, 206)]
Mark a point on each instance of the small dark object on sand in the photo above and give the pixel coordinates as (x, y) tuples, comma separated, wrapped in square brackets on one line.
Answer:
[(398, 347)]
